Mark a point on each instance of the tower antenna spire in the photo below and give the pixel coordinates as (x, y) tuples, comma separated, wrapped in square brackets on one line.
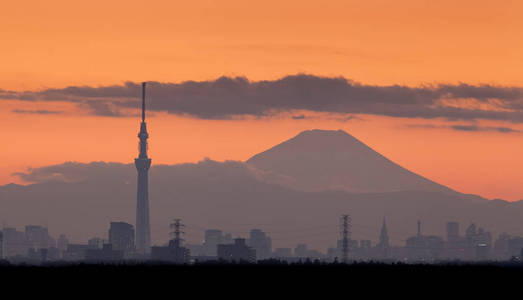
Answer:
[(143, 101)]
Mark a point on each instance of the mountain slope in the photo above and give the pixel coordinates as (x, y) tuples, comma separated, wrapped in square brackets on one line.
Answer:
[(334, 160)]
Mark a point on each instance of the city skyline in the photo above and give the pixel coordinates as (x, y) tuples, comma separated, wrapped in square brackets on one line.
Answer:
[(472, 243)]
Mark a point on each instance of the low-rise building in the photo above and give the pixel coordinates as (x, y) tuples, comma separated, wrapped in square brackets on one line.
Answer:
[(107, 253), (237, 252), (173, 253)]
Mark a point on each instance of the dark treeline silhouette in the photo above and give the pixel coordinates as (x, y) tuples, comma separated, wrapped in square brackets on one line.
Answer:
[(242, 272), (270, 263)]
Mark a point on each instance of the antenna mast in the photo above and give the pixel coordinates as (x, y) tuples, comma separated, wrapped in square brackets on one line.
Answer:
[(143, 101)]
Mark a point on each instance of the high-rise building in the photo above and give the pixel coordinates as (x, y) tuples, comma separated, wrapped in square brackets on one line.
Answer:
[(143, 163), (15, 242), (455, 245), (501, 246), (452, 231), (383, 244), (227, 239), (261, 243), (121, 237), (62, 243), (38, 237), (213, 237), (514, 246)]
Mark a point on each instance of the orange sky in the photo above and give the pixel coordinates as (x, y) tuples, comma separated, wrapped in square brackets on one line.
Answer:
[(60, 43)]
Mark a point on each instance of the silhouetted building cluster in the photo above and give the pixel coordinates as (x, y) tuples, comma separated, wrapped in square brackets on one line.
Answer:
[(474, 245), (35, 245), (173, 253), (106, 254), (236, 252)]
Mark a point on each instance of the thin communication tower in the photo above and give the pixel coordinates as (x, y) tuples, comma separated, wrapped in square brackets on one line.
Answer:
[(345, 228), (176, 233)]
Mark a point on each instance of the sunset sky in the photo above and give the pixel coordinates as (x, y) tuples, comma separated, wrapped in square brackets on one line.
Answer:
[(458, 63)]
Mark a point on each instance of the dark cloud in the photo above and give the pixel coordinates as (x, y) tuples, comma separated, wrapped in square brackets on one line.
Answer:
[(504, 129), (469, 128), (423, 126), (483, 128), (299, 117), (105, 109), (228, 97), (36, 112), (348, 118), (466, 127)]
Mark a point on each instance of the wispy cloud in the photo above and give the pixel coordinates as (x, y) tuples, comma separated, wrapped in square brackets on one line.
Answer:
[(299, 117), (37, 112), (465, 127), (483, 128)]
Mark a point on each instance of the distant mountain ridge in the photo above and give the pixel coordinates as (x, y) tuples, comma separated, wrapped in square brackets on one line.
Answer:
[(81, 199), (335, 160)]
